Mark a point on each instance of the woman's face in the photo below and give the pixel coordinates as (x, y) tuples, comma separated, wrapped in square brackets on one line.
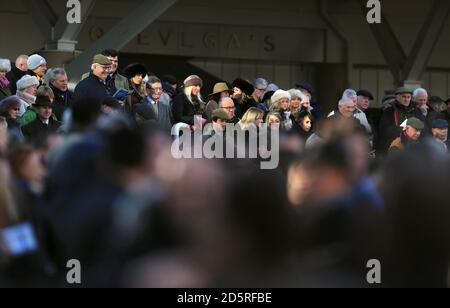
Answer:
[(2, 74), (274, 122), (137, 80), (295, 102), (31, 90), (284, 104), (237, 93), (306, 104), (196, 90), (306, 124), (13, 113), (259, 120)]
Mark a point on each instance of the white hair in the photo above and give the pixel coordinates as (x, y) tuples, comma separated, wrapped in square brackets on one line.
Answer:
[(419, 91), (299, 94), (349, 93), (345, 101), (53, 74), (21, 58)]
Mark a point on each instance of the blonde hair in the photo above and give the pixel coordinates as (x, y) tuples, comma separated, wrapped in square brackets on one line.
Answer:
[(188, 93), (277, 105), (273, 114), (250, 117)]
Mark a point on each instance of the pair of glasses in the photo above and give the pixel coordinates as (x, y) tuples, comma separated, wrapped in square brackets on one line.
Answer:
[(16, 109), (229, 108), (262, 90)]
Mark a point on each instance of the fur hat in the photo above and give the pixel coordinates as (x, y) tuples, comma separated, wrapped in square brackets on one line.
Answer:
[(135, 69), (279, 95), (5, 65), (244, 86), (35, 61), (193, 80), (26, 82)]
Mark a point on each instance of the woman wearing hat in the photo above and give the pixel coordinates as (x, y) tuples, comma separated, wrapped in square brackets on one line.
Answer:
[(189, 103), (280, 103), (136, 74), (242, 96), (5, 68), (220, 91), (26, 91), (9, 109)]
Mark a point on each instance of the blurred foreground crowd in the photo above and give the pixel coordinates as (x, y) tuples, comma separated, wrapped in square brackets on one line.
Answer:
[(89, 175)]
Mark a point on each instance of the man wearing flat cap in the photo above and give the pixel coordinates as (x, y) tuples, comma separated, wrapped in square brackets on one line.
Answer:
[(439, 130), (390, 124), (95, 87), (410, 135)]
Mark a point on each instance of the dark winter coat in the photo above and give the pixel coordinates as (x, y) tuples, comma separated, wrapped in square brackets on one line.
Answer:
[(37, 132), (93, 89), (184, 111), (63, 100)]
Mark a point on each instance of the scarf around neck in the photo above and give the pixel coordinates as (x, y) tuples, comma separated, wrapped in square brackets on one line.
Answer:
[(4, 82)]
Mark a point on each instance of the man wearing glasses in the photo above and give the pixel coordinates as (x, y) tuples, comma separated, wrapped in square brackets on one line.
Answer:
[(227, 104), (95, 87), (160, 107)]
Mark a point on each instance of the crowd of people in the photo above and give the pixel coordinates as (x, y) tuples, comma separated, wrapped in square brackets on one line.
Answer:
[(89, 175)]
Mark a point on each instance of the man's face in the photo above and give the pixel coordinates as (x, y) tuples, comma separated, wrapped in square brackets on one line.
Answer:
[(45, 112), (412, 133), (228, 106), (421, 100), (220, 125), (404, 99), (41, 70), (61, 83), (363, 103), (22, 64), (157, 91), (101, 71), (440, 133), (348, 109), (114, 64)]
